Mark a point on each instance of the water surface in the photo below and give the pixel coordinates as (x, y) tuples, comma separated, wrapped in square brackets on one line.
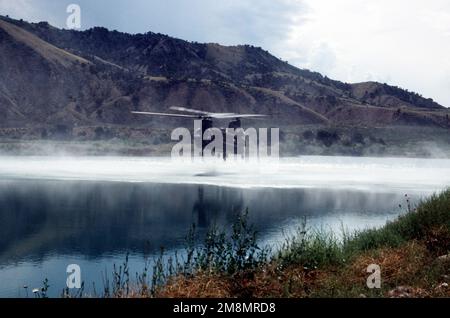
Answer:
[(93, 211)]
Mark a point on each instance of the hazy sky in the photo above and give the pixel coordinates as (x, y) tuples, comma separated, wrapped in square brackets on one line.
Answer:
[(400, 42)]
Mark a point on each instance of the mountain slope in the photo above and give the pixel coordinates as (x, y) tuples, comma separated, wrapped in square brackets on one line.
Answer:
[(46, 50), (96, 77), (40, 82)]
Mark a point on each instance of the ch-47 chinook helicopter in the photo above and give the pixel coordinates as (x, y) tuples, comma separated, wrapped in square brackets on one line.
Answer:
[(207, 121)]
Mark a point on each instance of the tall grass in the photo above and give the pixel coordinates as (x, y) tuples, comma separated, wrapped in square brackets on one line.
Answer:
[(220, 252), (228, 253), (319, 248)]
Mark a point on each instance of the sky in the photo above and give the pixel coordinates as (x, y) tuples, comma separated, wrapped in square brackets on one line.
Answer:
[(400, 42)]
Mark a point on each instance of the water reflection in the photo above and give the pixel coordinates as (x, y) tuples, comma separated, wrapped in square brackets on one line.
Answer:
[(92, 219)]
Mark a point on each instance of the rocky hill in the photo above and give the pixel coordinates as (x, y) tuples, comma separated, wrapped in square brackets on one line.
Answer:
[(54, 80)]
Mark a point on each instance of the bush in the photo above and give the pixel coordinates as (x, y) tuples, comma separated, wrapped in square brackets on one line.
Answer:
[(311, 250), (430, 221), (227, 253), (327, 138)]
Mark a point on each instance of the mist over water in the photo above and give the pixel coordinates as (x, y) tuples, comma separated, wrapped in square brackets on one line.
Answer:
[(377, 174), (92, 211)]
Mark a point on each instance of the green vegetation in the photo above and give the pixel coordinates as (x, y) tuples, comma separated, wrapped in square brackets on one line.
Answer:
[(321, 248), (226, 253), (409, 251), (412, 252)]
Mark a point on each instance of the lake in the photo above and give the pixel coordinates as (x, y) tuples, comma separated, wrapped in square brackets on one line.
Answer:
[(93, 211)]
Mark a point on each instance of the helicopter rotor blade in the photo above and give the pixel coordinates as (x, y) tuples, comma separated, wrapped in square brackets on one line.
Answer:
[(164, 114), (200, 112), (188, 110), (231, 116)]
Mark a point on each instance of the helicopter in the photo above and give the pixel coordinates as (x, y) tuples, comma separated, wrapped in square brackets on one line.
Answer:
[(206, 121)]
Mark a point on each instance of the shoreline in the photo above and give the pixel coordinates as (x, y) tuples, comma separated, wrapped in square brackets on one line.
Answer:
[(411, 252), (403, 144)]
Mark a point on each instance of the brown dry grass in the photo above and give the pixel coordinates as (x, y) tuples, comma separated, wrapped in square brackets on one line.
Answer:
[(411, 268), (396, 264), (200, 286), (412, 253)]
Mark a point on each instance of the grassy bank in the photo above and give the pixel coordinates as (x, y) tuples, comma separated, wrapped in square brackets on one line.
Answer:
[(412, 252)]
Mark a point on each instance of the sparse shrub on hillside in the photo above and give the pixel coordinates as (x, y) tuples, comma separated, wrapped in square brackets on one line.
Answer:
[(308, 135), (327, 138)]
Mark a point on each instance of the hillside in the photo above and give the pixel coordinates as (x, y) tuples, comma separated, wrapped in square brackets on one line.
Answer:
[(61, 82)]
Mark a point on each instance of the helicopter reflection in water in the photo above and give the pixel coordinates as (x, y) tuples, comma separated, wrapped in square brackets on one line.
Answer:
[(206, 210)]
